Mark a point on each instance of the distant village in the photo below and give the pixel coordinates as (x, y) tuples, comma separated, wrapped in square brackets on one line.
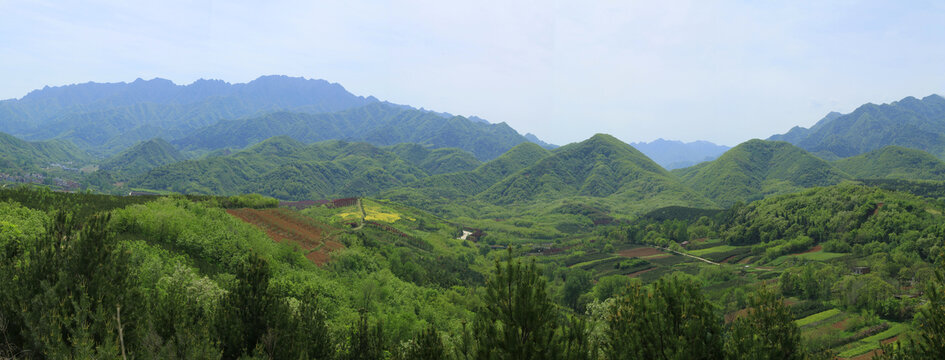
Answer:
[(42, 179)]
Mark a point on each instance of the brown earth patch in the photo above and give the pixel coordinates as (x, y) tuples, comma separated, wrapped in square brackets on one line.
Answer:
[(746, 260), (728, 259), (890, 340), (839, 325), (811, 250), (640, 252), (867, 355), (638, 273), (284, 227)]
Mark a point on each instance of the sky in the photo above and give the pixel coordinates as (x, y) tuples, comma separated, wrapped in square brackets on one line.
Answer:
[(722, 71)]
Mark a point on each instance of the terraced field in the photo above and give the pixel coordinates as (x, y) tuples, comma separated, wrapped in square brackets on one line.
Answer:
[(285, 226)]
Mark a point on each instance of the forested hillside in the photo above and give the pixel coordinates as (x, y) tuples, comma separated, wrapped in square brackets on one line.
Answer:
[(142, 157), (910, 122), (600, 170), (380, 124), (287, 169), (213, 277), (443, 189), (17, 155), (893, 162), (757, 168)]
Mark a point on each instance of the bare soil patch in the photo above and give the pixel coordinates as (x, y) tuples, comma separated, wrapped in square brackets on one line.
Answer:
[(638, 273), (811, 250), (283, 227), (640, 252)]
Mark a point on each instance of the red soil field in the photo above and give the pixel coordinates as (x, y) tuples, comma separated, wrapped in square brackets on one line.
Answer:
[(284, 227), (640, 252), (839, 325), (811, 250), (638, 273)]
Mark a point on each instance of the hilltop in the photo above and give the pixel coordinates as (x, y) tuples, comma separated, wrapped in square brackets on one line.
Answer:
[(142, 157), (599, 167), (757, 168)]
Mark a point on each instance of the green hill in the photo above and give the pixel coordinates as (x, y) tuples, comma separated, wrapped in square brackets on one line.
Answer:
[(601, 167), (287, 169), (893, 162), (379, 124), (142, 157), (436, 191), (19, 155), (757, 168), (436, 161), (910, 122)]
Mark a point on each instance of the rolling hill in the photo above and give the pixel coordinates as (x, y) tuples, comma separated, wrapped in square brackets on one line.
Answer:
[(757, 168), (434, 191), (17, 155), (142, 157), (379, 124), (893, 162), (288, 169), (601, 167), (910, 122)]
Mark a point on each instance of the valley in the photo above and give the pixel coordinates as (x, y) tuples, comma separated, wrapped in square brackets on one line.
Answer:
[(225, 221)]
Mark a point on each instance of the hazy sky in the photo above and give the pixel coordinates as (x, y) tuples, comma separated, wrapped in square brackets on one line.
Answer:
[(724, 71)]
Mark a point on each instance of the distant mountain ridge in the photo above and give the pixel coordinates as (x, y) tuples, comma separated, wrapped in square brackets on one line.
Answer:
[(110, 117), (674, 154), (107, 118), (910, 122), (378, 124)]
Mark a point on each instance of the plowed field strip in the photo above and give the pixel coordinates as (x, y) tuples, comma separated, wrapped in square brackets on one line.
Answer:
[(285, 228)]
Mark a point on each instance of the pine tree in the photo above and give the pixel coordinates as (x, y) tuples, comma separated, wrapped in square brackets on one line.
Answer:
[(767, 331), (668, 320), (518, 319)]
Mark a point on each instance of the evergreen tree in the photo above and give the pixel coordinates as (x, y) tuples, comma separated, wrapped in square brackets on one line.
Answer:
[(242, 318), (518, 320), (667, 320), (767, 331)]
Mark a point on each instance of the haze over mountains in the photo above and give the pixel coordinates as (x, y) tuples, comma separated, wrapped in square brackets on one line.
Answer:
[(105, 119), (297, 139), (674, 154)]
